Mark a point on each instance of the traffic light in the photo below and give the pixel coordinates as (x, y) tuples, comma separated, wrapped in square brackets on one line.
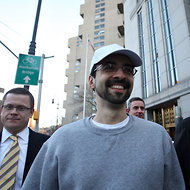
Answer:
[(36, 115)]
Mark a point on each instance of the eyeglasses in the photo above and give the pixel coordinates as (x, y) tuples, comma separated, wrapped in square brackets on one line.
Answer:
[(111, 67), (10, 107)]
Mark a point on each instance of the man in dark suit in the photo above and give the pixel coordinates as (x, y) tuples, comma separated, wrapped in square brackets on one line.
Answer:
[(1, 124), (17, 109), (182, 146)]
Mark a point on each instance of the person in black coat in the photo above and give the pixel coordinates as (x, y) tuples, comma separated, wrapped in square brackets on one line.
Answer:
[(182, 146), (16, 110)]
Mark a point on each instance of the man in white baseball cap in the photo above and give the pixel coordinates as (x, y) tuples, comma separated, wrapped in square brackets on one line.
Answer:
[(115, 49), (110, 150)]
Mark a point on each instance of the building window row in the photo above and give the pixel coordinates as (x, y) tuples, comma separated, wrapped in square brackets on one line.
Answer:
[(99, 32), (99, 10), (76, 92), (99, 21), (99, 44), (142, 54), (156, 66), (99, 15), (97, 1), (79, 42), (78, 62), (169, 43), (99, 26), (77, 65), (99, 38), (76, 96), (76, 89), (100, 5), (75, 117)]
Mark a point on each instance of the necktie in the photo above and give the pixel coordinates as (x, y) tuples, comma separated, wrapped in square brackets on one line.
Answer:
[(9, 166)]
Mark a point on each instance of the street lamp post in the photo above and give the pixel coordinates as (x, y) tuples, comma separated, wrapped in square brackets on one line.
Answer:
[(32, 46)]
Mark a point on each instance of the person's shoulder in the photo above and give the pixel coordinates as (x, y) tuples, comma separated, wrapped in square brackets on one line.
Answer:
[(146, 123), (70, 128), (74, 125), (150, 129), (65, 134), (143, 121), (39, 135), (186, 122)]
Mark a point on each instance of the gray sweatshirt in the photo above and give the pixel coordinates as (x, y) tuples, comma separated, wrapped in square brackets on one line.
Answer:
[(80, 156)]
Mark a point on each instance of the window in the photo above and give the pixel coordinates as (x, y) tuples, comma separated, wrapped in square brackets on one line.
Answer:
[(142, 53), (76, 96), (169, 43), (99, 15), (99, 21), (77, 65), (156, 66), (76, 89), (78, 62), (99, 32), (79, 42), (99, 10), (97, 1), (75, 117), (100, 5), (98, 44), (99, 26), (98, 38)]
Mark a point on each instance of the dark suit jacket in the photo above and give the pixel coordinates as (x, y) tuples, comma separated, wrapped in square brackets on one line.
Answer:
[(35, 142), (182, 146)]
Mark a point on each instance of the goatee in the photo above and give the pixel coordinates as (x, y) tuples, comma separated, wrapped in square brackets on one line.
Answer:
[(117, 97)]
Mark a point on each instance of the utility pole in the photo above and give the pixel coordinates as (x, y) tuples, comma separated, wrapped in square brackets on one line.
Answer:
[(85, 78), (32, 46), (40, 89)]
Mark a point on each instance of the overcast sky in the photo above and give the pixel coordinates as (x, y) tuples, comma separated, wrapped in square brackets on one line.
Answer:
[(59, 21)]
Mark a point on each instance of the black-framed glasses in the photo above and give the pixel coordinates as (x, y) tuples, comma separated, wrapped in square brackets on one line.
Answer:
[(110, 67), (10, 107)]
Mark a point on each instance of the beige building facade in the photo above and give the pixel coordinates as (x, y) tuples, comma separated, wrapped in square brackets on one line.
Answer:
[(103, 24), (159, 31)]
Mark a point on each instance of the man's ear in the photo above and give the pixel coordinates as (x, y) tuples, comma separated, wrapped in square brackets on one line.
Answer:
[(91, 82), (32, 111)]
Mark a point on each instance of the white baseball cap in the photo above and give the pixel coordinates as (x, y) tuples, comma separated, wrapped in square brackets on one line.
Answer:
[(103, 52)]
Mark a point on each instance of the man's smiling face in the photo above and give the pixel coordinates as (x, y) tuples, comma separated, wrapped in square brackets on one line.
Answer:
[(114, 85)]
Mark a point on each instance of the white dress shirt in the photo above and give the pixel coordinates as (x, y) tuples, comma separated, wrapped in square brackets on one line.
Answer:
[(5, 145)]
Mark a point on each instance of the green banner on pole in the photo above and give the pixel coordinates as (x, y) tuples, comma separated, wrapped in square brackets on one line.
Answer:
[(28, 69)]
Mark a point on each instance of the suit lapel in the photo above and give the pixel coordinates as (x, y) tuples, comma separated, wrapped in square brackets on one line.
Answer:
[(0, 135), (35, 143), (30, 156)]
